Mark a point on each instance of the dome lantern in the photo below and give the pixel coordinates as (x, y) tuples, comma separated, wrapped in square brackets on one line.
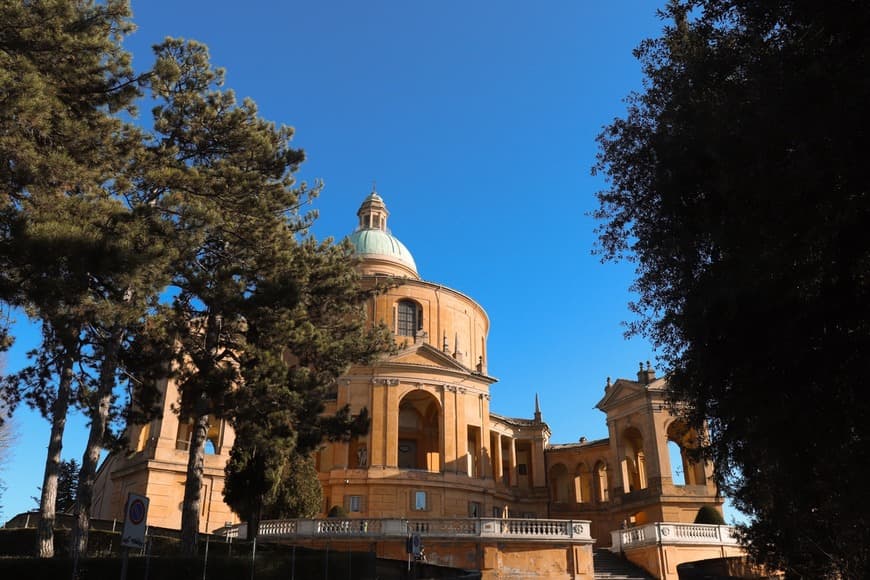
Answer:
[(372, 213), (381, 253)]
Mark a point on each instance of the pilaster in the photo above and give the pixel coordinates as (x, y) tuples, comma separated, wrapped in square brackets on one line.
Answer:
[(538, 467), (392, 424)]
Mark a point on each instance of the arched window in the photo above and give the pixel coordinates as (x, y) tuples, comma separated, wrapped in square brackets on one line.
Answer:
[(213, 437), (675, 454), (410, 318), (560, 484), (683, 447)]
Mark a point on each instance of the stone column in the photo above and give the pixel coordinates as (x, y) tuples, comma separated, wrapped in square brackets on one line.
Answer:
[(498, 476), (486, 453), (442, 430), (462, 460), (449, 422), (512, 476)]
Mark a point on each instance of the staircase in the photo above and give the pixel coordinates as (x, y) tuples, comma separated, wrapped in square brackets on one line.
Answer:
[(609, 566)]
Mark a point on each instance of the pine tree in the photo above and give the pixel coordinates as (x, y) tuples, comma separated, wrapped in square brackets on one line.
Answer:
[(64, 76), (293, 359), (134, 269), (67, 483), (223, 179)]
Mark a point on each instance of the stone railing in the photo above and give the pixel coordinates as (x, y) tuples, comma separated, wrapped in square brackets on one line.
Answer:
[(496, 528), (663, 533), (278, 527)]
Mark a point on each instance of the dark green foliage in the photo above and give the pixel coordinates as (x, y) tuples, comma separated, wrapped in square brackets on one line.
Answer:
[(276, 484), (709, 515), (298, 493), (68, 240), (67, 484), (337, 511), (78, 251), (250, 286), (295, 352), (738, 184)]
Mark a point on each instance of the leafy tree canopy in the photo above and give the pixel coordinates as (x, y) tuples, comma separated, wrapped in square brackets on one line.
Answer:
[(738, 185)]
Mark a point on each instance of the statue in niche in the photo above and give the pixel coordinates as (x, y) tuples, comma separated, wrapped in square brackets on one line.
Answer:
[(362, 456)]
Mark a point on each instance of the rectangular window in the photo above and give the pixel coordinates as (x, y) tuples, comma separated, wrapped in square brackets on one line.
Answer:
[(420, 501), (496, 511), (522, 469), (408, 322), (354, 503), (474, 509), (182, 438)]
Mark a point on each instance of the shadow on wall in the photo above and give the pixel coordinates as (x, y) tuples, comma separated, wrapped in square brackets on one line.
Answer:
[(734, 568)]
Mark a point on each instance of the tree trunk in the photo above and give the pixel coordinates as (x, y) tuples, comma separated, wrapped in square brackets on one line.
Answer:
[(45, 530), (99, 416), (254, 518), (192, 505)]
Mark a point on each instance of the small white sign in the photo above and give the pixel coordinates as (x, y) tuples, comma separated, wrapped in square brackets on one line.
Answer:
[(135, 521)]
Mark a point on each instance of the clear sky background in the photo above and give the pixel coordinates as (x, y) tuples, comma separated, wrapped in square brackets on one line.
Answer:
[(477, 120)]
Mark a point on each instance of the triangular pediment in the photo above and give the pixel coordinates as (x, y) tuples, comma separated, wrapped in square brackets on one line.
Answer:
[(621, 390), (426, 355), (625, 389)]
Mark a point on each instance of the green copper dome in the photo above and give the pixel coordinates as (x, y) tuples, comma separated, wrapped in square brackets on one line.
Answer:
[(380, 243), (372, 239)]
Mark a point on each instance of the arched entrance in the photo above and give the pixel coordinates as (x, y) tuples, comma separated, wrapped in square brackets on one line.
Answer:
[(419, 441)]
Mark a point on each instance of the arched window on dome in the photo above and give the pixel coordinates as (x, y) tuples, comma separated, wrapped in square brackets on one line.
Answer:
[(409, 318)]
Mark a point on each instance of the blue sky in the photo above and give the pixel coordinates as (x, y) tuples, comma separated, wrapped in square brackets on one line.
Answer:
[(477, 120)]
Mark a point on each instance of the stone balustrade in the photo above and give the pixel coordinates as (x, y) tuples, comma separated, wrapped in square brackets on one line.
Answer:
[(484, 528), (663, 533)]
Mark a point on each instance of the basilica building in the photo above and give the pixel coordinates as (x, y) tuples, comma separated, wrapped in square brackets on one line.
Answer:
[(435, 449)]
